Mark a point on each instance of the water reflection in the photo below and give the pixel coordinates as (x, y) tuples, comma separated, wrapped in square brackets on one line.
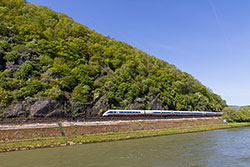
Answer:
[(213, 148)]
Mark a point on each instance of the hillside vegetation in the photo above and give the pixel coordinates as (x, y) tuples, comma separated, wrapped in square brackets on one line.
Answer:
[(53, 66), (236, 115)]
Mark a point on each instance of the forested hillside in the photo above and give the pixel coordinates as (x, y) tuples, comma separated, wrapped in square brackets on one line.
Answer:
[(53, 66)]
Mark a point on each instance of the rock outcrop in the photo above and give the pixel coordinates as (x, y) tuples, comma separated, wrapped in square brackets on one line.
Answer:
[(42, 108), (16, 111)]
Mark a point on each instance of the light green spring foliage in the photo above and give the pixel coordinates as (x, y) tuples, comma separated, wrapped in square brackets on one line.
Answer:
[(239, 115), (11, 56), (51, 53)]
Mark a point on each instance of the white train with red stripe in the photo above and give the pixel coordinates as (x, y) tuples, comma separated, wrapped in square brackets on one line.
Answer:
[(159, 113)]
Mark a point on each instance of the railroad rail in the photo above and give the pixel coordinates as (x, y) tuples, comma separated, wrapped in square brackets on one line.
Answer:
[(89, 119)]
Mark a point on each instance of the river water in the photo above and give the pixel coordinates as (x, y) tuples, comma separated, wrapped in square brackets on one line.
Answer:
[(218, 148)]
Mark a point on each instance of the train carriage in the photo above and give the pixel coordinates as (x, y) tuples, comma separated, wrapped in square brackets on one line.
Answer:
[(184, 113), (198, 113), (153, 112), (159, 113), (210, 113), (124, 112), (167, 113)]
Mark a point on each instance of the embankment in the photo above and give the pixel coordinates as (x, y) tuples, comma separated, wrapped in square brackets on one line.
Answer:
[(22, 137)]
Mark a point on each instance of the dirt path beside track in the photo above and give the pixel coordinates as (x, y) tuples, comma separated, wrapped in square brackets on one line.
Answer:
[(96, 123)]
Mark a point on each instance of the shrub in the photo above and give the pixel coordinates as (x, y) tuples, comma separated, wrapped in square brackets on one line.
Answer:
[(233, 115), (11, 56), (78, 109), (67, 83), (31, 44), (45, 60), (53, 93), (4, 45), (60, 67), (133, 92), (33, 87), (25, 69), (82, 94), (4, 97)]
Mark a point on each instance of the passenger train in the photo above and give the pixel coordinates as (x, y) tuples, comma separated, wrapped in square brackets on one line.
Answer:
[(159, 113)]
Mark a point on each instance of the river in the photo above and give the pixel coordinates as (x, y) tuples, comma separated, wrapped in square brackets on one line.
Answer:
[(218, 148)]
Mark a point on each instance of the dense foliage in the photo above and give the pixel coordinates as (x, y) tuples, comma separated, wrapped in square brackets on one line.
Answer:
[(44, 54), (233, 115)]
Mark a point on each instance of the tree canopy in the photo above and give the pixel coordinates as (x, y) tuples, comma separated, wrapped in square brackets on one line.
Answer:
[(43, 52)]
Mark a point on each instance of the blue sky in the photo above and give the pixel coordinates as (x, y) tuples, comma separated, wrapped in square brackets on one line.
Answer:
[(209, 39)]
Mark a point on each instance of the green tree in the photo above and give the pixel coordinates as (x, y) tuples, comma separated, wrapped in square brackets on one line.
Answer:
[(4, 97), (11, 56), (25, 70), (82, 94)]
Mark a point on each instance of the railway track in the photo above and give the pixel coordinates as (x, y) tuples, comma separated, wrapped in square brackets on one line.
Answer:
[(89, 119)]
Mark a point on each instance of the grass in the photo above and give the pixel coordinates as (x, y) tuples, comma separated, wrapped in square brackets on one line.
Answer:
[(43, 142)]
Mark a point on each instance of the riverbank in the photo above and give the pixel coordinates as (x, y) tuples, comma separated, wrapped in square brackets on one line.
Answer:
[(22, 139)]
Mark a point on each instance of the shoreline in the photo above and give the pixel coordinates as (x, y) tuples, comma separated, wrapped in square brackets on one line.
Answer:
[(58, 141)]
